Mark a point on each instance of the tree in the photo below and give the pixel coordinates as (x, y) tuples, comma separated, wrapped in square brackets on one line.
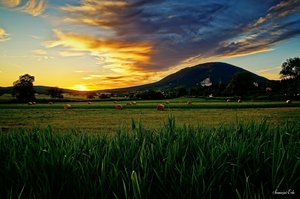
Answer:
[(241, 84), (290, 69), (55, 92), (290, 75), (150, 94), (24, 88), (91, 95), (182, 91)]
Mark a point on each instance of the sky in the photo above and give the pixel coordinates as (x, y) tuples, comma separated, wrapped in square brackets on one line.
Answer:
[(102, 44)]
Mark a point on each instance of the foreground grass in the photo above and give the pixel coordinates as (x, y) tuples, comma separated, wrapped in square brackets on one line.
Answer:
[(237, 161)]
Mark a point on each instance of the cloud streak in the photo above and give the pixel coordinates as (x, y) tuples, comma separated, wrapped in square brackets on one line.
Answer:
[(279, 23), (32, 7), (4, 36), (114, 54)]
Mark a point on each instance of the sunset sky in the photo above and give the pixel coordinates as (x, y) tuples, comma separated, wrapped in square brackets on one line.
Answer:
[(99, 44)]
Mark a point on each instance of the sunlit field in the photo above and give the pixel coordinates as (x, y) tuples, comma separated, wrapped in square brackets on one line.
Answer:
[(102, 117)]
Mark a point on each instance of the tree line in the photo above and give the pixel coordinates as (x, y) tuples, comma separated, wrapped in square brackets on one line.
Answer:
[(241, 84)]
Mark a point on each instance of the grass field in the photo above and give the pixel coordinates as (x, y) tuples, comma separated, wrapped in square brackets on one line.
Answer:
[(242, 160), (215, 150), (102, 116)]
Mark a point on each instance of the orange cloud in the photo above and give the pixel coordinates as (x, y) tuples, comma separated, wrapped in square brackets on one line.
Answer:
[(120, 81), (280, 10), (94, 6), (32, 7), (107, 10), (10, 3), (245, 52), (118, 55), (109, 81)]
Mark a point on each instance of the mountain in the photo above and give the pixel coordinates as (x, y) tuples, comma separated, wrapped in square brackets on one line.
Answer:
[(218, 72), (188, 77)]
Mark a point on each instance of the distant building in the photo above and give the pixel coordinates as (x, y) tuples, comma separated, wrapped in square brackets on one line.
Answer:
[(206, 82), (268, 89), (255, 84)]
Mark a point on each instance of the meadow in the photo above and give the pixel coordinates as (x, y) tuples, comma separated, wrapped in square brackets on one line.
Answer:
[(102, 115), (209, 149)]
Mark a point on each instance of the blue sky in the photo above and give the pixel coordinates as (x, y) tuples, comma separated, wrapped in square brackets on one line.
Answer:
[(92, 44)]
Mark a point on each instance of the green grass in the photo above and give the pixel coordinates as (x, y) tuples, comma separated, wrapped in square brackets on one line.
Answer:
[(108, 120), (103, 116), (151, 104), (239, 160)]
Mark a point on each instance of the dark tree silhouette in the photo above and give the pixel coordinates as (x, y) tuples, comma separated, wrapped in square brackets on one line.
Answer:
[(55, 92), (150, 94), (240, 84), (290, 69), (24, 88), (91, 95), (182, 91), (290, 75)]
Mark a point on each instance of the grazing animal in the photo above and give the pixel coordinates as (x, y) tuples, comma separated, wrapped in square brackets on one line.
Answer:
[(239, 101), (50, 102), (33, 102), (128, 103), (67, 106), (133, 103), (29, 103), (119, 107), (160, 107), (228, 100), (89, 102), (288, 101), (189, 102)]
